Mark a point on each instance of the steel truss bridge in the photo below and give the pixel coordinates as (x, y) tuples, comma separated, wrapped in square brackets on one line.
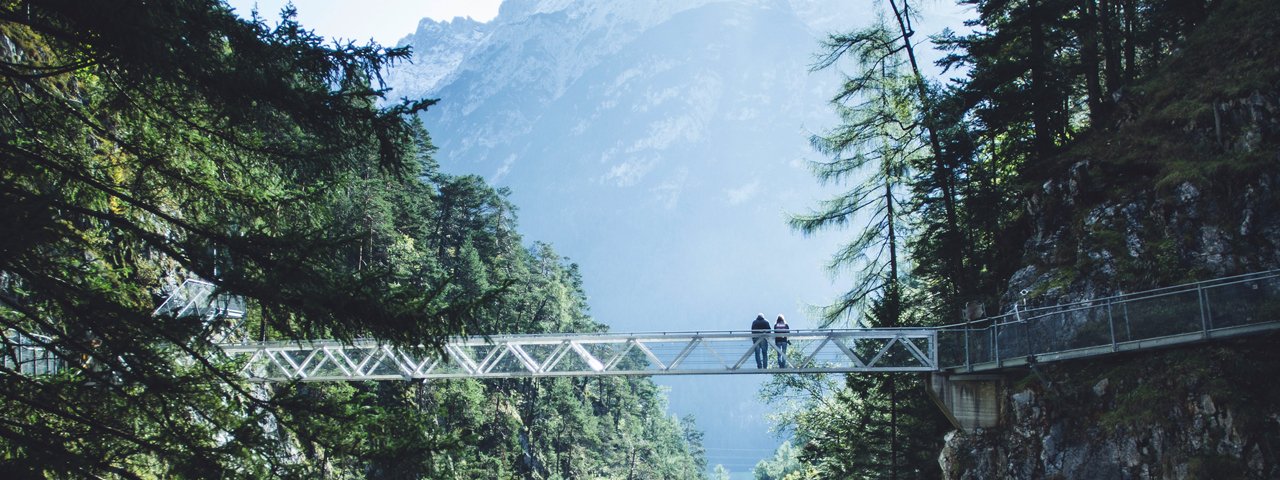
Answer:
[(677, 353), (1198, 312)]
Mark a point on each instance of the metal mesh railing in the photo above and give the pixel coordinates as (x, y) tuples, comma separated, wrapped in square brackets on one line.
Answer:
[(33, 354), (1154, 318), (29, 355)]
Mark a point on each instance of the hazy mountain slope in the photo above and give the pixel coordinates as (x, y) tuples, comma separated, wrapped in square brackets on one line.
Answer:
[(685, 142), (439, 49), (660, 146)]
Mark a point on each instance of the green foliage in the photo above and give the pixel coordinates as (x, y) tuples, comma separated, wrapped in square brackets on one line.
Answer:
[(785, 463), (148, 142), (1226, 60), (871, 426)]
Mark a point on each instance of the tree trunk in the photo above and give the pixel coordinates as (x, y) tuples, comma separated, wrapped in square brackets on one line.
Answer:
[(1040, 101), (893, 427), (1130, 42), (1110, 45), (891, 285), (1089, 58), (942, 173)]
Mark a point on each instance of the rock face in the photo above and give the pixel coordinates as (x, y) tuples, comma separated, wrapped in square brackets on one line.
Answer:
[(1096, 231), (1201, 413), (439, 49), (1210, 419), (1093, 236), (638, 123)]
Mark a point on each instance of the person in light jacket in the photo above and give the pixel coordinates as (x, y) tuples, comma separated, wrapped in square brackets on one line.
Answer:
[(780, 328)]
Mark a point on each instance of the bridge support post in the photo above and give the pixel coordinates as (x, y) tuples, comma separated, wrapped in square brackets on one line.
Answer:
[(970, 401)]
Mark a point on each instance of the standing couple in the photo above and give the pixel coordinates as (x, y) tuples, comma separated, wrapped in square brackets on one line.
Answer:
[(760, 328)]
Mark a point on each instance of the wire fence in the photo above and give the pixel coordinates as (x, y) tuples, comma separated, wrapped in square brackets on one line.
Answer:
[(1153, 318), (220, 314), (33, 354)]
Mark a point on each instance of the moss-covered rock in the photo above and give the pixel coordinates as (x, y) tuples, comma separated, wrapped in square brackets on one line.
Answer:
[(1190, 413)]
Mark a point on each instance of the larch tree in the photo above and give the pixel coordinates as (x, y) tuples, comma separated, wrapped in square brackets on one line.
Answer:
[(882, 135)]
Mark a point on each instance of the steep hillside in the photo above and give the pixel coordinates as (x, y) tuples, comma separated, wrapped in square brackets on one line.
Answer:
[(1196, 413), (1182, 186)]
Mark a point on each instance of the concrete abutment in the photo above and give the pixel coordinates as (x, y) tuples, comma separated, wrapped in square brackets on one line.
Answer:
[(970, 401)]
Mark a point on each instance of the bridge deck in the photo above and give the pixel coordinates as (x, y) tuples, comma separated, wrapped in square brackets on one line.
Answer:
[(677, 353)]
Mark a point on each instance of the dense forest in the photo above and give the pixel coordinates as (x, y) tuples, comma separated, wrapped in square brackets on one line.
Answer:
[(1065, 112), (149, 142)]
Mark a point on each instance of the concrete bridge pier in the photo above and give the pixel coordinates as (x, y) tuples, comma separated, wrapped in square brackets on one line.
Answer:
[(970, 401)]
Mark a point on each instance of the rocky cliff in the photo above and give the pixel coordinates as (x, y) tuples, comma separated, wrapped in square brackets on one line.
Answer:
[(1183, 186), (1104, 226), (1207, 413)]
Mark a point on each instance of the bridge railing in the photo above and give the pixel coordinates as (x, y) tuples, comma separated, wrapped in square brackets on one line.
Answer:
[(29, 354), (33, 354), (1166, 316), (220, 314), (673, 353)]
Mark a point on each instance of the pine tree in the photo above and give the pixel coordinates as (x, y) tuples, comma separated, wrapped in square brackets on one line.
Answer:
[(147, 142)]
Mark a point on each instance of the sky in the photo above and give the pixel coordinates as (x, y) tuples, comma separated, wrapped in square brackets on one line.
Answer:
[(384, 21)]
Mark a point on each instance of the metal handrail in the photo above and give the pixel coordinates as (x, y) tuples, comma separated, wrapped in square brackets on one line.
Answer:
[(989, 343), (1123, 297), (1077, 341)]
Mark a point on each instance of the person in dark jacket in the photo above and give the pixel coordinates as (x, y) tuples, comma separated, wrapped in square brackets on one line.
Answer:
[(780, 340), (760, 328)]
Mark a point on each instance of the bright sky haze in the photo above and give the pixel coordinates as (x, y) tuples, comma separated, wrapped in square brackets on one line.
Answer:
[(384, 21)]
